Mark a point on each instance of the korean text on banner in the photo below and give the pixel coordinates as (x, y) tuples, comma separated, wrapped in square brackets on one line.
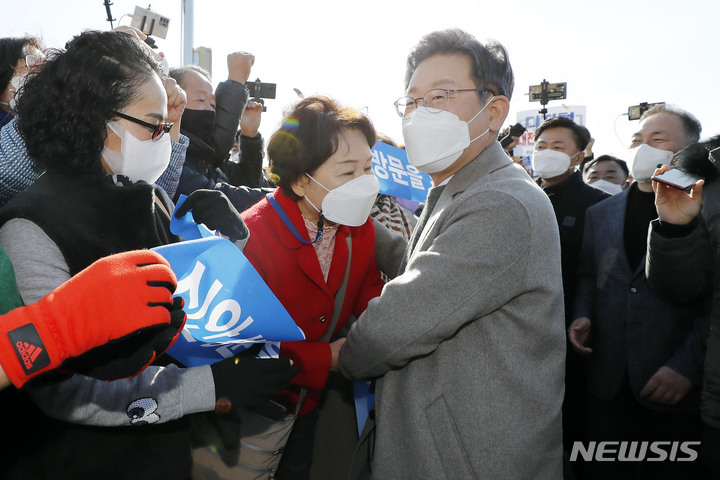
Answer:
[(228, 304), (396, 175)]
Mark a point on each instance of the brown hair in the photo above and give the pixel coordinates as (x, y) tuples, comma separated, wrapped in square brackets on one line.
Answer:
[(308, 136)]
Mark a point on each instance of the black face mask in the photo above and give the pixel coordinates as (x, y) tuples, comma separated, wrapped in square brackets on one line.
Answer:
[(199, 123)]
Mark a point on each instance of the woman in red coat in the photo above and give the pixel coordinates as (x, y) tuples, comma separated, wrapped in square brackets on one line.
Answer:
[(321, 161)]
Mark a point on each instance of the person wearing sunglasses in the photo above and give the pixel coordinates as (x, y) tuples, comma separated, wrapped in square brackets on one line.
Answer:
[(95, 118), (18, 56), (18, 169)]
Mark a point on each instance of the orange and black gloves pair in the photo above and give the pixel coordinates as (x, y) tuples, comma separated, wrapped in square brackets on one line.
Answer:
[(109, 321)]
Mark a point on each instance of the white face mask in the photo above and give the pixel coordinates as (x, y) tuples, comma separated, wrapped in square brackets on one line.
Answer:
[(607, 187), (435, 140), (350, 203), (16, 82), (548, 163), (646, 160), (138, 160)]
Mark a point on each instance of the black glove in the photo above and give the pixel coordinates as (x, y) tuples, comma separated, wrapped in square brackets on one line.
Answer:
[(215, 210), (131, 354), (248, 381)]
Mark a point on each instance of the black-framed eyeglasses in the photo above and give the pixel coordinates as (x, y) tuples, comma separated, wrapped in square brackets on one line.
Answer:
[(434, 101), (157, 129)]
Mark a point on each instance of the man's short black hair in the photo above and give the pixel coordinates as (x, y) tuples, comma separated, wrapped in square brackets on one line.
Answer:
[(581, 135), (606, 158), (490, 64)]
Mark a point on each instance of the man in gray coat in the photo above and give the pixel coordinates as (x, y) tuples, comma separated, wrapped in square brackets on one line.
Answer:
[(467, 342)]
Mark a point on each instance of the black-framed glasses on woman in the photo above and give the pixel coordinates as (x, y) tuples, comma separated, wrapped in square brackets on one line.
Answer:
[(434, 101), (157, 130)]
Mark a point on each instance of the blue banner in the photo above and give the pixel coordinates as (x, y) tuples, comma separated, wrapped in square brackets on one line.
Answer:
[(186, 227), (396, 175), (228, 304)]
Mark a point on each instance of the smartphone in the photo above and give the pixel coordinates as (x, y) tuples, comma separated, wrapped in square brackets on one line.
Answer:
[(515, 131), (272, 410), (677, 179), (259, 89)]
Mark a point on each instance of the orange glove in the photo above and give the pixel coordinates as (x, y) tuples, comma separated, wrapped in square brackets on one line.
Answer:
[(125, 299)]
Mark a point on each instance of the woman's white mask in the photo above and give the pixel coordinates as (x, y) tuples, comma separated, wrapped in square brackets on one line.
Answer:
[(138, 159), (350, 203)]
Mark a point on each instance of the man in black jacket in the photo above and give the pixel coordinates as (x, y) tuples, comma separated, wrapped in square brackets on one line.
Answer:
[(559, 149), (211, 122)]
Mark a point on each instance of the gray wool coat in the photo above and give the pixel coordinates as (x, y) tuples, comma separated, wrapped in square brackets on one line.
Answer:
[(469, 342)]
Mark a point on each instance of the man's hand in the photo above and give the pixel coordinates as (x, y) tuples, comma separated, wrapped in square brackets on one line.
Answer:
[(666, 387), (239, 65), (515, 140), (177, 99), (250, 120), (578, 332), (335, 349), (588, 150), (131, 31), (674, 205), (140, 36)]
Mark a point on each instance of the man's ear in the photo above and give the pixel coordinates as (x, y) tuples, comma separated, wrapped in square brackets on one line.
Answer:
[(299, 186), (499, 108), (577, 160)]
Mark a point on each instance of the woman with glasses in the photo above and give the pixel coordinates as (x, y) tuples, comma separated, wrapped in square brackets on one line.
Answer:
[(98, 118), (18, 56)]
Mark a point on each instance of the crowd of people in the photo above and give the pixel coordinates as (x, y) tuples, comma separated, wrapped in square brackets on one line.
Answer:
[(547, 323)]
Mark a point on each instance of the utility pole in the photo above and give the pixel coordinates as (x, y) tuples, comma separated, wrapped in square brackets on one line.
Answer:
[(188, 19)]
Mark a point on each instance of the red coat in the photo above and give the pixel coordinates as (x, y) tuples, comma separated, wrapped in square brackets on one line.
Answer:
[(292, 271)]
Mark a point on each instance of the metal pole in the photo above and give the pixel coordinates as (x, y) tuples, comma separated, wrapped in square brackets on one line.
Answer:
[(188, 18)]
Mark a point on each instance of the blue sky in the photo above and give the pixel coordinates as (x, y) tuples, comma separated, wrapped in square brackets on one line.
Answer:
[(612, 54)]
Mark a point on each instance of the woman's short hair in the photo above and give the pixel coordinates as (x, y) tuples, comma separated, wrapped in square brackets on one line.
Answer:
[(309, 135), (63, 109), (12, 49)]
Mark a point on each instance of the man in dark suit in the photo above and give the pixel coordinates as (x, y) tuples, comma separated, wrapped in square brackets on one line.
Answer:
[(559, 149), (645, 355)]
